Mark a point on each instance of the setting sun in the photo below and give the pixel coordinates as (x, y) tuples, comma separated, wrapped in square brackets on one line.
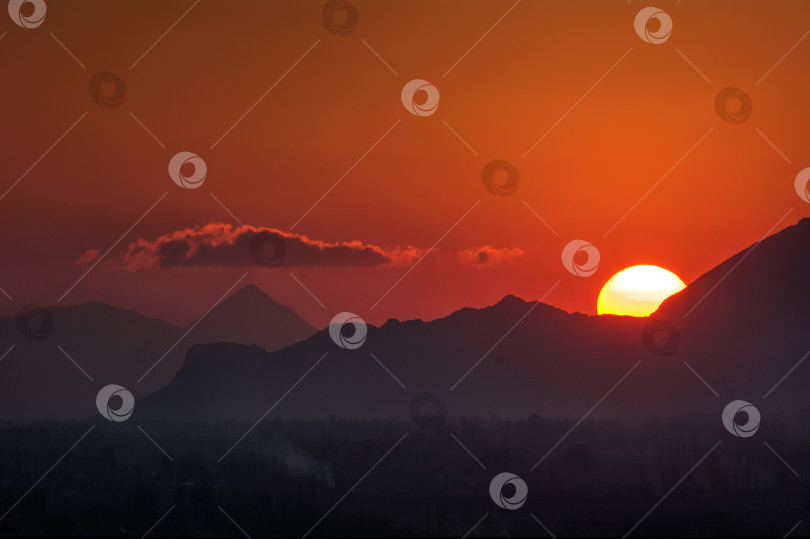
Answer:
[(637, 291)]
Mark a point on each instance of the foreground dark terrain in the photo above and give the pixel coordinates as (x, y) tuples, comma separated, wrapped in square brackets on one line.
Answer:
[(287, 474)]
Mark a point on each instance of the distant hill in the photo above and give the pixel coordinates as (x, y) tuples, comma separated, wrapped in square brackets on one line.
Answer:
[(114, 345), (250, 316)]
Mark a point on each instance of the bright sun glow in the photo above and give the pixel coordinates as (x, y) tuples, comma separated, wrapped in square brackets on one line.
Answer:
[(637, 291)]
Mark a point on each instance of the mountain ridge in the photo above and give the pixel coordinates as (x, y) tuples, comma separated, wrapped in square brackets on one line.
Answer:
[(518, 357)]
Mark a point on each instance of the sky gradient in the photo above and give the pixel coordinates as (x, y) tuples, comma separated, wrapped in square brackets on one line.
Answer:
[(597, 122)]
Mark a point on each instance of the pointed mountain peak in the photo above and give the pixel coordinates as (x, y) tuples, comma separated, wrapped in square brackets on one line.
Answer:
[(511, 300), (251, 296), (250, 316), (250, 290)]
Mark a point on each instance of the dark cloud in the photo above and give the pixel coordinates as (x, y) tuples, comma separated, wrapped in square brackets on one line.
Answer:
[(222, 245)]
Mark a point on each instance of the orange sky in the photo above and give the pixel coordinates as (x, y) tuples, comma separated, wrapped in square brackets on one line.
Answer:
[(519, 81)]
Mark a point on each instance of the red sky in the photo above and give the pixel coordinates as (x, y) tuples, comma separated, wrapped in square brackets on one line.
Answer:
[(543, 69)]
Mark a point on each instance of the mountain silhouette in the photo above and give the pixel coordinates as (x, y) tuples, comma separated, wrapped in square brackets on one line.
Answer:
[(250, 316), (747, 331), (117, 346), (764, 284), (746, 320)]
